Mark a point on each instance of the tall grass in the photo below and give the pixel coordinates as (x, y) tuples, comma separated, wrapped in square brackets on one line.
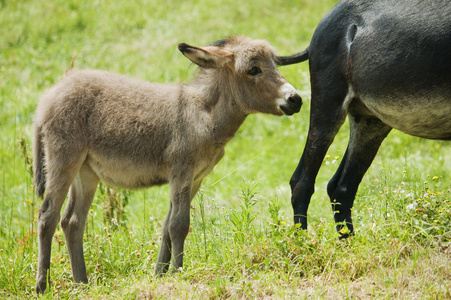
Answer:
[(242, 242)]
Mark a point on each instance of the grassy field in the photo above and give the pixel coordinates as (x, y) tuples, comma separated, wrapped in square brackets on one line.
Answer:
[(242, 243)]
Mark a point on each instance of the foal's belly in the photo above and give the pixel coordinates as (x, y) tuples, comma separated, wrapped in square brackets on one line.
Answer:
[(125, 173), (141, 172)]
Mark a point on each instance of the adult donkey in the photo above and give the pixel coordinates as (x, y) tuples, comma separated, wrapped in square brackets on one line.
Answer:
[(384, 63), (95, 125)]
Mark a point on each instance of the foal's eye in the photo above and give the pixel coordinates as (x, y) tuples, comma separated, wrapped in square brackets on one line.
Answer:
[(255, 71)]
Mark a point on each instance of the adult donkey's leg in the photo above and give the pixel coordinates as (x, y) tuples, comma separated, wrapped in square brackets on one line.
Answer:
[(73, 222), (367, 134), (327, 114)]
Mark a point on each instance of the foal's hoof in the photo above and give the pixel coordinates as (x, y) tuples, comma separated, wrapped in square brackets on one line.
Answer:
[(177, 270), (82, 286), (161, 269), (41, 287)]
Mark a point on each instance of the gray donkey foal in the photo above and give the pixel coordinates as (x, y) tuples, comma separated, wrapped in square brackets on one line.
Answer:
[(95, 125)]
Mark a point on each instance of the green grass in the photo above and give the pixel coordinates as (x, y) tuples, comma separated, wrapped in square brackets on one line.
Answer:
[(242, 243)]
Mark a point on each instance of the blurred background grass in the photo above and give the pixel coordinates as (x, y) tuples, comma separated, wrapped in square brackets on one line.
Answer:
[(139, 39)]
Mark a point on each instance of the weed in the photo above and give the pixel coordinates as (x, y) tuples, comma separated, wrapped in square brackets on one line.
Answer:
[(241, 220), (114, 203)]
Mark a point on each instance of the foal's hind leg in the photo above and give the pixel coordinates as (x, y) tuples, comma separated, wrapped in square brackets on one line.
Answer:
[(60, 174), (367, 134), (73, 222)]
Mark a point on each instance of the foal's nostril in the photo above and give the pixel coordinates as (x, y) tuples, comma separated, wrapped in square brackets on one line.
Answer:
[(295, 99)]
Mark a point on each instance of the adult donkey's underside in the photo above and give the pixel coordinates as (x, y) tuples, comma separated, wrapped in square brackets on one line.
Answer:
[(385, 64)]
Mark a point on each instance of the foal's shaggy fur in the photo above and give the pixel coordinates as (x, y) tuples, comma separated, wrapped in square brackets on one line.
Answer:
[(95, 125)]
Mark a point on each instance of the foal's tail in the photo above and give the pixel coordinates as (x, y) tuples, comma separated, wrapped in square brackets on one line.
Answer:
[(38, 162)]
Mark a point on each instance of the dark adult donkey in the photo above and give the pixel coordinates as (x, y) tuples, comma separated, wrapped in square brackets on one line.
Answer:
[(384, 63)]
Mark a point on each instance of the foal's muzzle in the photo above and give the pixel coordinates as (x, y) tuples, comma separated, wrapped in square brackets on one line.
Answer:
[(291, 102)]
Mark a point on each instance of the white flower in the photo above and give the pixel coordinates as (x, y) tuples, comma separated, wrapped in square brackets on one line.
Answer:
[(411, 206)]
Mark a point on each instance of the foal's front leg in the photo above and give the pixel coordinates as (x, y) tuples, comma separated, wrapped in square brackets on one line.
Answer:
[(176, 226), (164, 256), (180, 221)]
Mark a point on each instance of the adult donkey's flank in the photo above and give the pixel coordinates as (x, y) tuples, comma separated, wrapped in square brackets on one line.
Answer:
[(95, 125), (384, 63)]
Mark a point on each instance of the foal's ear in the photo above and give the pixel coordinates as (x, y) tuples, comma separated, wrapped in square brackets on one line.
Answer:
[(207, 57)]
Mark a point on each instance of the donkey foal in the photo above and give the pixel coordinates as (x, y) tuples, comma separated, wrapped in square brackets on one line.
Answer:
[(95, 125)]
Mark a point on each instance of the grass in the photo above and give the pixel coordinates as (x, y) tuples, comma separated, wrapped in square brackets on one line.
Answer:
[(242, 243)]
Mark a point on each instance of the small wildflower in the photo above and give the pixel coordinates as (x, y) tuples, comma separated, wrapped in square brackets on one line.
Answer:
[(282, 222), (411, 206)]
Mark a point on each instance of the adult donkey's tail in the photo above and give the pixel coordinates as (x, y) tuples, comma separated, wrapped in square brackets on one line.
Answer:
[(293, 59), (38, 162)]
